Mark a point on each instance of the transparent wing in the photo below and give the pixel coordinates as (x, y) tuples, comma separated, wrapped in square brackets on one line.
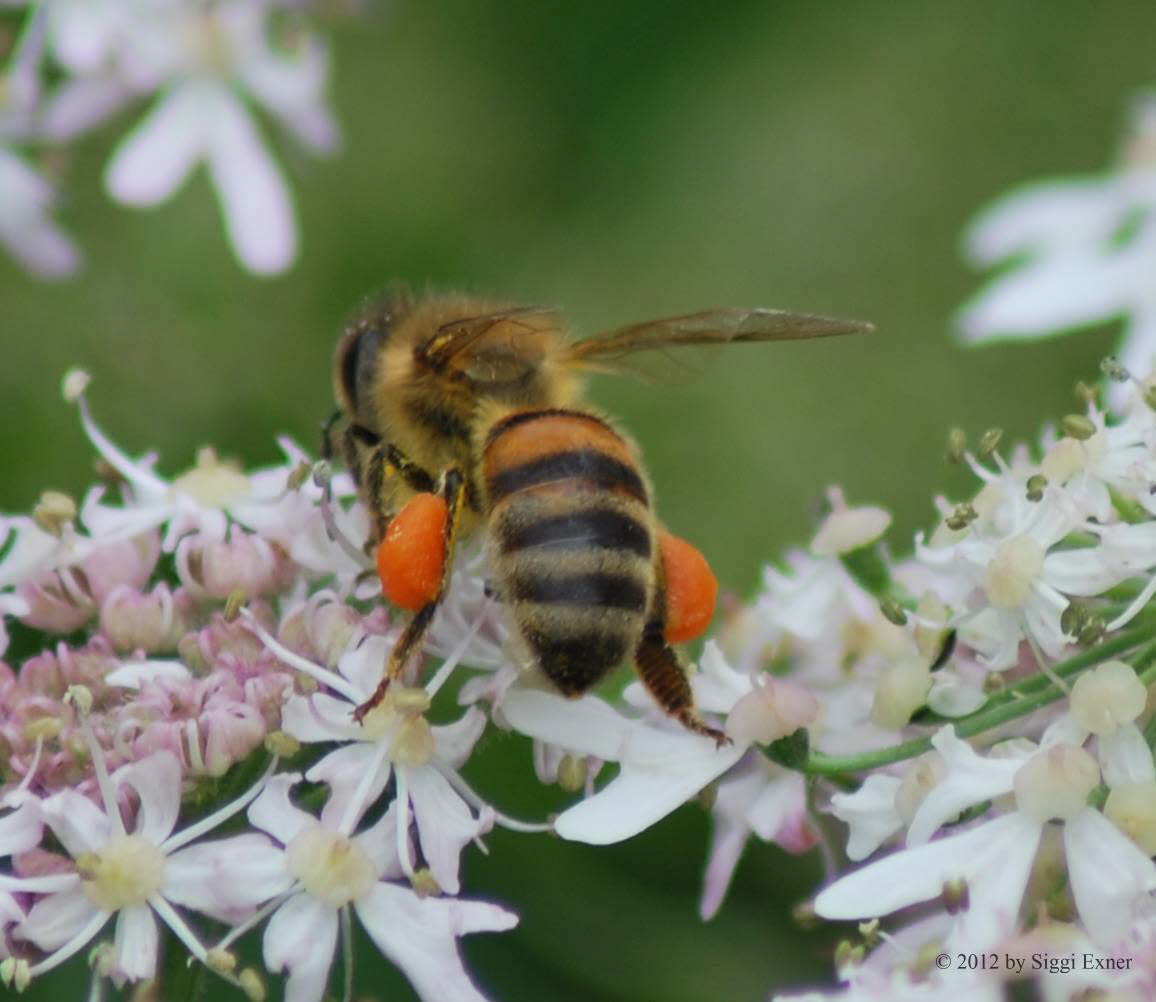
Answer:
[(493, 348), (720, 326)]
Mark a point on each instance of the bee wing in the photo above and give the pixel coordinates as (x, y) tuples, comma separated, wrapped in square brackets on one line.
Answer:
[(720, 326), (490, 348)]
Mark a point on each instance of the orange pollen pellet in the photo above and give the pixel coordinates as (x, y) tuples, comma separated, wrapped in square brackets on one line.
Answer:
[(691, 589), (411, 558)]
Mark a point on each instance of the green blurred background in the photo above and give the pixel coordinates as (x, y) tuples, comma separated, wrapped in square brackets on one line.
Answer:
[(623, 160)]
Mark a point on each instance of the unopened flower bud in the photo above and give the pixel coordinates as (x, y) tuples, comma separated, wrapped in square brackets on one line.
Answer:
[(849, 529), (1078, 426), (901, 689), (1132, 808), (1055, 783), (773, 709), (126, 562), (243, 562), (140, 622), (56, 601), (1107, 697)]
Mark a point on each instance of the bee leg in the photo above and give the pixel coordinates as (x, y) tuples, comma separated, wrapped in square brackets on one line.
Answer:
[(665, 678), (328, 430), (453, 491)]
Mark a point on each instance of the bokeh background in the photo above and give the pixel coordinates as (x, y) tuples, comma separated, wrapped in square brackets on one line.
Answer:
[(623, 160)]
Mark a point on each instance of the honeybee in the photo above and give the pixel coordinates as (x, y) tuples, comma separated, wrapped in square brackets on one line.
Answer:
[(458, 415)]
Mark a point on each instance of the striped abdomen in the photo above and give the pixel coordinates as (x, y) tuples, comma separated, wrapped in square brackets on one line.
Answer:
[(572, 540)]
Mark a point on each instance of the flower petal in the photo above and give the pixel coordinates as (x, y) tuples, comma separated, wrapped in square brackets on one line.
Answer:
[(1125, 757), (870, 814), (1110, 876), (157, 781), (659, 773), (969, 779), (226, 878), (445, 824), (55, 919), (300, 938), (77, 822), (254, 197), (1003, 847), (275, 813), (420, 936), (137, 941), (154, 159)]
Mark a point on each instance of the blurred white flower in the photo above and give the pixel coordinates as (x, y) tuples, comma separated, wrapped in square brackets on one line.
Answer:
[(26, 229), (1085, 253), (204, 63)]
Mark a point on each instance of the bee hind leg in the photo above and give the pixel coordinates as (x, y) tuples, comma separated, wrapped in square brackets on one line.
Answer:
[(453, 488), (662, 673)]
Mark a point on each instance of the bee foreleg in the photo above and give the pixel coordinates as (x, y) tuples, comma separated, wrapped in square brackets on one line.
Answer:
[(453, 489), (660, 670), (327, 432)]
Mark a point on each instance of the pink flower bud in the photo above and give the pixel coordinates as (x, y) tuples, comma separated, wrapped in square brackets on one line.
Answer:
[(125, 562), (244, 562), (144, 623), (773, 709), (320, 628), (57, 601)]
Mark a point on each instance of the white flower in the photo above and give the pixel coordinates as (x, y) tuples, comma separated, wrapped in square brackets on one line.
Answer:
[(138, 875), (660, 766), (205, 59), (205, 498), (394, 740), (1020, 580), (330, 869), (26, 230), (1088, 249), (1111, 879)]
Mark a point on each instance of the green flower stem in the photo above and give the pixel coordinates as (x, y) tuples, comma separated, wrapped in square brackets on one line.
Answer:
[(1018, 701)]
